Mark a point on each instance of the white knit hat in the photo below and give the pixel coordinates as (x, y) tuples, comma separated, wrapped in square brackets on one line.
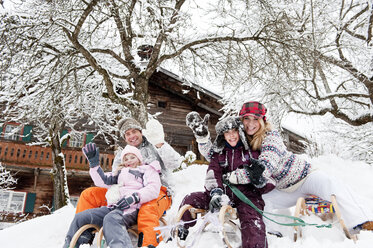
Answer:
[(133, 150), (154, 132)]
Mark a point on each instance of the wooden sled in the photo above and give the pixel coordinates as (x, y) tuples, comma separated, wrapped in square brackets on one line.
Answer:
[(230, 230), (132, 232), (325, 210), (81, 230)]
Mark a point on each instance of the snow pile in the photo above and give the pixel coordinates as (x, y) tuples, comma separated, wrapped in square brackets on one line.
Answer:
[(49, 231)]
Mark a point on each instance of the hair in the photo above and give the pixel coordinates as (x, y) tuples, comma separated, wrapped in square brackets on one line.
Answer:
[(121, 166), (256, 140)]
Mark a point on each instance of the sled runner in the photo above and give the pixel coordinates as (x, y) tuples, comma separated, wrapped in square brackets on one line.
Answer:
[(132, 232), (324, 209), (228, 220)]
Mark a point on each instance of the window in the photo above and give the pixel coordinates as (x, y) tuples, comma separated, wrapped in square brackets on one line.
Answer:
[(76, 140), (74, 200), (12, 201), (16, 132), (12, 132), (162, 104)]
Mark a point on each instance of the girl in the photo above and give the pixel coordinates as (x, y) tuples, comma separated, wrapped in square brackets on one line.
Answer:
[(294, 176), (138, 183), (230, 151)]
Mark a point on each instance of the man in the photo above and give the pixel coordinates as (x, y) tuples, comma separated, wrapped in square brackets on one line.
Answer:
[(151, 212)]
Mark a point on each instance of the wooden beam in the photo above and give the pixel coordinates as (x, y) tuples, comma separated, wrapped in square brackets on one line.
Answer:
[(36, 175)]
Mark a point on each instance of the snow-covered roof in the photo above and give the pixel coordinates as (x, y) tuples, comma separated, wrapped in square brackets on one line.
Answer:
[(191, 84)]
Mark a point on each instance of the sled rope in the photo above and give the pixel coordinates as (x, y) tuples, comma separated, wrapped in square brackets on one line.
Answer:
[(297, 221)]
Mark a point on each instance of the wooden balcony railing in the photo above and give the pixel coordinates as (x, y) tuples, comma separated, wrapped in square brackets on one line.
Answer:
[(20, 154)]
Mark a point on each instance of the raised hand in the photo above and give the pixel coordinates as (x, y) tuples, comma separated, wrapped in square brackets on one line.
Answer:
[(198, 125), (91, 152)]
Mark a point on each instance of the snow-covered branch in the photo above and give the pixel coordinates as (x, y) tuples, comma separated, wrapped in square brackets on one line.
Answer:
[(6, 179)]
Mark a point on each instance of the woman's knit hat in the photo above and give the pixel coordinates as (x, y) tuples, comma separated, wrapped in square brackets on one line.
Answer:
[(133, 150), (253, 108), (225, 125)]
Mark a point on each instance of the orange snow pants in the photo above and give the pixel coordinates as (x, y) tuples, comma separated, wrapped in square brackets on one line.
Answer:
[(149, 213), (92, 197), (149, 216)]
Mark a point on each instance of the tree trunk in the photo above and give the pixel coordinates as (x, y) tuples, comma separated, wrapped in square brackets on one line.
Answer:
[(141, 96), (60, 189)]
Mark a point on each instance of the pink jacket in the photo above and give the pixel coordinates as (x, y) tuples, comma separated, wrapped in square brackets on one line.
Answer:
[(144, 180)]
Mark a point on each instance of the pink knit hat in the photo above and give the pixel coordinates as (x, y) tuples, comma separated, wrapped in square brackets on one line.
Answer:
[(133, 150)]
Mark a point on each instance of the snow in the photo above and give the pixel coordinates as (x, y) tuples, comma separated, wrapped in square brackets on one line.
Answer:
[(49, 231)]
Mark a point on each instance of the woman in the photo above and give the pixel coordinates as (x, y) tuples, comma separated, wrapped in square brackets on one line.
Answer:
[(294, 177)]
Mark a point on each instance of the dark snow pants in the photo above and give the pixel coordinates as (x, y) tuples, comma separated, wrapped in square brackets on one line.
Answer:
[(253, 230), (115, 225)]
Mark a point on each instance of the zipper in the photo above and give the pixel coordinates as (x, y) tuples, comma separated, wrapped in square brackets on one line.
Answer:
[(161, 198)]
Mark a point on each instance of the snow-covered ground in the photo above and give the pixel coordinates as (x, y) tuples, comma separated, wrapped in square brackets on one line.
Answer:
[(49, 231)]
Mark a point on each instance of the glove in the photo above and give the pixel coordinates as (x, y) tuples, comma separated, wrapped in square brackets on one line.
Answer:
[(216, 199), (199, 126), (255, 172), (238, 176), (91, 152), (154, 132), (126, 202)]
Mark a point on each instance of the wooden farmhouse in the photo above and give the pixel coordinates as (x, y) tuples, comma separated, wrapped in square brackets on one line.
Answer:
[(30, 165), (32, 195)]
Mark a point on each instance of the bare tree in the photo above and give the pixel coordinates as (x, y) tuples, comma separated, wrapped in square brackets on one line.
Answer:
[(37, 88), (323, 64), (306, 56), (109, 36)]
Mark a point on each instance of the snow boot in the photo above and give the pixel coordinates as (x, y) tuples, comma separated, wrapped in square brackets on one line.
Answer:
[(368, 226), (275, 233), (182, 232)]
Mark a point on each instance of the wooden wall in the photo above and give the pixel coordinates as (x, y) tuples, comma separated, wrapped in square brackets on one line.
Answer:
[(165, 98), (41, 184)]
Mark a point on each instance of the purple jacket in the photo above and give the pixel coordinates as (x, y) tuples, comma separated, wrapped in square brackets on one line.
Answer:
[(229, 160), (144, 180)]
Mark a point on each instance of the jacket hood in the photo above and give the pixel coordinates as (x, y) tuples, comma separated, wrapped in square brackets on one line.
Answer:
[(133, 150), (225, 125)]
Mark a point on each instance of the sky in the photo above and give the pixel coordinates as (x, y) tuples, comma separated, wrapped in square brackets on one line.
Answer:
[(49, 231)]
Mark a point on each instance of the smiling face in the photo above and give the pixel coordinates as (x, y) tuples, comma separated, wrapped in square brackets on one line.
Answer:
[(133, 137), (232, 137), (251, 124), (131, 160)]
